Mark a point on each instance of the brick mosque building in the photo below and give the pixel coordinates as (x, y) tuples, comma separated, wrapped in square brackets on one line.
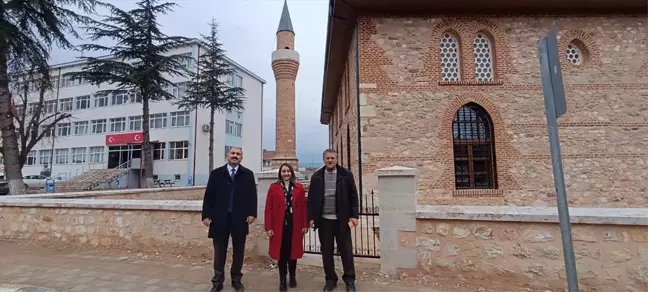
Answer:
[(453, 89)]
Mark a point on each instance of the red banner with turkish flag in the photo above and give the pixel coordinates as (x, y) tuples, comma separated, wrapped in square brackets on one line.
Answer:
[(127, 138)]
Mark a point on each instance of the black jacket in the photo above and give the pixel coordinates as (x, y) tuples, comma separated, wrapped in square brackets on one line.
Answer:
[(346, 197), (217, 197)]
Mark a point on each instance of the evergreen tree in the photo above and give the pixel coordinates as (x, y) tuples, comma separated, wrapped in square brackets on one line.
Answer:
[(209, 87), (28, 29), (140, 61)]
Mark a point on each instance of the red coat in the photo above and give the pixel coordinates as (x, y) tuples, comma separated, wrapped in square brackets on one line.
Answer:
[(275, 209)]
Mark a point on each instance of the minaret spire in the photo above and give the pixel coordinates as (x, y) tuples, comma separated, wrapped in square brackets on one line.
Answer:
[(285, 23)]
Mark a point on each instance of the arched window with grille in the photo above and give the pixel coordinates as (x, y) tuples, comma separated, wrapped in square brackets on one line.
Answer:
[(474, 148), (450, 57), (483, 47)]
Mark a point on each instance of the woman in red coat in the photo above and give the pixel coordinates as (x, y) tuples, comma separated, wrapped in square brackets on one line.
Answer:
[(286, 222)]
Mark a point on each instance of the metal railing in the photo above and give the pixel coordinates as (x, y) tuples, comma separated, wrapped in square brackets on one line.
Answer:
[(92, 178)]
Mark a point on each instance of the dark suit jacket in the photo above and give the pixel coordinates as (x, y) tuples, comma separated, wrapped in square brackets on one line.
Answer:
[(217, 198), (346, 197)]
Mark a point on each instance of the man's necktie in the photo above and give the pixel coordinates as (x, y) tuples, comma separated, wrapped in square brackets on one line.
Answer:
[(231, 201)]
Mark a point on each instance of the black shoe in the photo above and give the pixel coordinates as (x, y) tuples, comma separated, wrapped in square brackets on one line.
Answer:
[(330, 286), (282, 286), (238, 287), (350, 287), (217, 288), (293, 281)]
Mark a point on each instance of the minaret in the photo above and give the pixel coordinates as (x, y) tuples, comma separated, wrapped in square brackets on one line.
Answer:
[(285, 64)]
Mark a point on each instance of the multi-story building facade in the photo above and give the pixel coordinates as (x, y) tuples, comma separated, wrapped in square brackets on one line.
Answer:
[(455, 92), (105, 131)]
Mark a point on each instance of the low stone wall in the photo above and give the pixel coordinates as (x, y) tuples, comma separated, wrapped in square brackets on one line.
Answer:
[(506, 246), (172, 193), (165, 227)]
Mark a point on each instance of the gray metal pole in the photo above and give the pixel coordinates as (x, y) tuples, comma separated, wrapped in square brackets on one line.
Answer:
[(556, 161)]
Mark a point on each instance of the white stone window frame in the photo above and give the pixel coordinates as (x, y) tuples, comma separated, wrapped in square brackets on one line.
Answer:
[(178, 150), (98, 126), (483, 54), (135, 123), (117, 125), (449, 54), (64, 129), (62, 156), (180, 119), (44, 156), (31, 158), (79, 155), (80, 128), (96, 154), (158, 121)]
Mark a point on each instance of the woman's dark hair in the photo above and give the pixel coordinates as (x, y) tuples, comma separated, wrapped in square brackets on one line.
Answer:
[(292, 173)]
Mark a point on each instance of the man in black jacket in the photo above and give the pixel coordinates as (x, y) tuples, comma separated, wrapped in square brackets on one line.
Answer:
[(229, 207), (333, 209)]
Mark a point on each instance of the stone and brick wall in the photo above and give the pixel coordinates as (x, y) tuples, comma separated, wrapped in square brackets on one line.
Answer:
[(177, 193), (406, 109)]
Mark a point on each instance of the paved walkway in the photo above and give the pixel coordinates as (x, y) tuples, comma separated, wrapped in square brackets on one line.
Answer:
[(92, 272)]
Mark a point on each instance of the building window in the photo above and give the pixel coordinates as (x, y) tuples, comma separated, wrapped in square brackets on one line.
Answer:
[(474, 148), (158, 121), (98, 126), (96, 154), (158, 150), (47, 132), (483, 58), (79, 155), (66, 104), (117, 125), (31, 158), (227, 149), (83, 102), (178, 90), (64, 129), (45, 156), (574, 53), (67, 81), (135, 123), (134, 96), (450, 61), (233, 128), (62, 156), (49, 106), (119, 98), (81, 128), (101, 100), (235, 80), (179, 150), (180, 119)]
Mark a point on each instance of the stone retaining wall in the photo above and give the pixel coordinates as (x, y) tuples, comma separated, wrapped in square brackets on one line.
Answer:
[(165, 227), (507, 246)]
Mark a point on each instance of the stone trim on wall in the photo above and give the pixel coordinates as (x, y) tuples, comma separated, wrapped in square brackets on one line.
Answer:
[(102, 193), (578, 215), (162, 205)]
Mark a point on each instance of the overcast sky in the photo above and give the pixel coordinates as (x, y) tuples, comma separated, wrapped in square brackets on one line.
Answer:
[(248, 31)]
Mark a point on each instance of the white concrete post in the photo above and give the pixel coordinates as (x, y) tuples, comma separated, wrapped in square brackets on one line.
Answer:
[(265, 179), (397, 202)]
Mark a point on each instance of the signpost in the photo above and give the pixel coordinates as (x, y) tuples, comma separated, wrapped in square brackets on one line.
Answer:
[(555, 107)]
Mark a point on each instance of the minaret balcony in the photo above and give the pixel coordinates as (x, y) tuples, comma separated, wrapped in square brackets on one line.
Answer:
[(285, 54)]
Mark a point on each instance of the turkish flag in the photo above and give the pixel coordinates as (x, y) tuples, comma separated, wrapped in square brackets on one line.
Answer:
[(127, 138)]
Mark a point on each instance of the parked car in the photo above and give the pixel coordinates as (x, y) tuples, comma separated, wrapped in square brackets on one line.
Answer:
[(4, 187)]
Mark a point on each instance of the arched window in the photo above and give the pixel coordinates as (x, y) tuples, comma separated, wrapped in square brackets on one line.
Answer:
[(575, 52), (474, 148), (483, 57), (450, 61)]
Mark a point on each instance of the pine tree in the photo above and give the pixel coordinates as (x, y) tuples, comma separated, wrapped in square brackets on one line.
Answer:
[(28, 29), (140, 61), (209, 89)]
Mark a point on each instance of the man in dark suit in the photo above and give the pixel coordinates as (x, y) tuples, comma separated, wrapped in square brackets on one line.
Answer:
[(333, 209), (229, 207)]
